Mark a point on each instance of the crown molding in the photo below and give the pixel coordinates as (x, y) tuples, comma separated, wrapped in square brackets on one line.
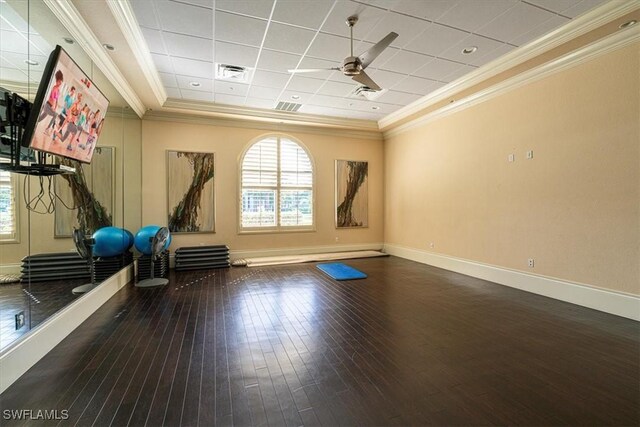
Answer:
[(262, 115), (192, 118), (126, 20), (71, 19), (605, 45), (589, 21)]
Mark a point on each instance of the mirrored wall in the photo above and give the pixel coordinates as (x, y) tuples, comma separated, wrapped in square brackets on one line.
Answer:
[(42, 265)]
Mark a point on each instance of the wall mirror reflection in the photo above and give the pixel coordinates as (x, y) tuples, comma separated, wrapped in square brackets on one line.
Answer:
[(66, 136)]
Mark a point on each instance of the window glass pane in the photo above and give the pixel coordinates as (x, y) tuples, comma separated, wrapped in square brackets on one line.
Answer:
[(258, 208), (7, 218), (296, 208), (295, 165)]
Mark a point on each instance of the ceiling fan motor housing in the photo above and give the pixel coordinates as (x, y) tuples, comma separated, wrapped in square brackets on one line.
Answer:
[(351, 66)]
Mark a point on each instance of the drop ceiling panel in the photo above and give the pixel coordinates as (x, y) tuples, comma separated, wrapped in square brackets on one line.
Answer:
[(173, 92), (436, 38), (145, 13), (12, 41), (406, 62), (163, 63), (438, 69), (168, 80), (187, 38), (277, 61), (337, 88), (471, 15), (259, 103), (196, 95), (269, 79), (330, 47), (485, 46), (368, 17), (154, 40), (263, 92), (239, 29), (547, 26), (189, 47), (406, 27), (518, 20), (417, 85), (13, 74), (288, 38), (259, 9), (234, 54), (193, 68), (398, 98), (305, 13), (184, 82), (304, 84), (431, 9), (185, 19), (221, 98)]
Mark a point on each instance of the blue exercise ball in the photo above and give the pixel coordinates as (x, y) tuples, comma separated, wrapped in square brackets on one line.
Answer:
[(110, 241), (130, 236), (143, 238)]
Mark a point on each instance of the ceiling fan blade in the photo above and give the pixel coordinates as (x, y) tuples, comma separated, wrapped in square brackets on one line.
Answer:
[(364, 79), (375, 50), (313, 70)]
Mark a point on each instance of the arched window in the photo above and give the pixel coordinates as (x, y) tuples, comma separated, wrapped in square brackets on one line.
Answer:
[(276, 186)]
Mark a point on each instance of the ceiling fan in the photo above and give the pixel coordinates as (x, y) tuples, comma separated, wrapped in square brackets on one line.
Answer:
[(353, 66)]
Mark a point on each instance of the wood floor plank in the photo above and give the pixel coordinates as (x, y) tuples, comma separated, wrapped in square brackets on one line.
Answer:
[(288, 346)]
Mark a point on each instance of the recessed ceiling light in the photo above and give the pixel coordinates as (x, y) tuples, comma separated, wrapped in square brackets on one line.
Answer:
[(31, 62), (194, 84), (68, 40), (108, 46), (469, 50), (375, 107), (629, 24), (295, 96)]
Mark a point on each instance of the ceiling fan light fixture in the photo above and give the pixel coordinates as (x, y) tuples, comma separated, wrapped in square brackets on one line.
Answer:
[(469, 50), (628, 24)]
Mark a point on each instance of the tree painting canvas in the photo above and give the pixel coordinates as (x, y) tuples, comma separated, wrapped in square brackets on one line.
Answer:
[(190, 192), (352, 194), (85, 199)]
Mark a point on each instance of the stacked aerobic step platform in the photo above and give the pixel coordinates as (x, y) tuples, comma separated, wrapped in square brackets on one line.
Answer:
[(54, 266), (202, 257), (160, 266), (105, 267)]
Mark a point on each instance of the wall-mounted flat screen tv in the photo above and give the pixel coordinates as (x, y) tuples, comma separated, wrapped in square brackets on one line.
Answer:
[(68, 112)]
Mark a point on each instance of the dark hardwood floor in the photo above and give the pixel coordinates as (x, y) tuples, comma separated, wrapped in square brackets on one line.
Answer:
[(410, 345)]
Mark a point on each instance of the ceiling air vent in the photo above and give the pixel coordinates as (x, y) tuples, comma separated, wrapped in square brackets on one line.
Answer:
[(366, 92), (232, 73), (288, 106)]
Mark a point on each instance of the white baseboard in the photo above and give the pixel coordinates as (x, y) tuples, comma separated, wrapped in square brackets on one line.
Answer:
[(10, 269), (618, 303), (259, 253), (20, 356)]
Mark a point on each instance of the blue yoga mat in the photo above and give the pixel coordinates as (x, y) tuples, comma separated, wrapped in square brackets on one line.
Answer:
[(340, 271)]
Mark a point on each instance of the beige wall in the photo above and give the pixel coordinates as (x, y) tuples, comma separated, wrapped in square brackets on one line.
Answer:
[(574, 208), (37, 230), (228, 143)]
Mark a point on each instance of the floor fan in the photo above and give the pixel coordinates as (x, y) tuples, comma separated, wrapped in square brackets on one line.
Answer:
[(84, 247), (158, 242)]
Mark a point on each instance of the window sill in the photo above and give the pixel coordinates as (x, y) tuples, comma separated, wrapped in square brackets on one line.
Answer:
[(277, 231)]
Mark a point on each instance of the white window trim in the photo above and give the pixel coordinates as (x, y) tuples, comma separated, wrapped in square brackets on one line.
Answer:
[(15, 184), (277, 229)]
